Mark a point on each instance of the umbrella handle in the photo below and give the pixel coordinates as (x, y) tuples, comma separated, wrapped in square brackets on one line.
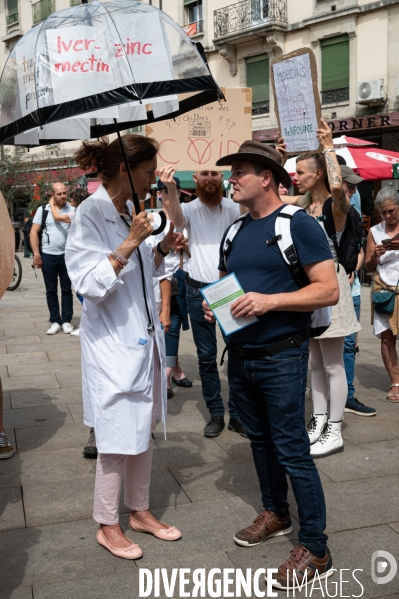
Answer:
[(162, 225)]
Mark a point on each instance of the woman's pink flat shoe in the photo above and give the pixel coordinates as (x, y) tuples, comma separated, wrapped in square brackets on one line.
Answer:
[(132, 552), (165, 534)]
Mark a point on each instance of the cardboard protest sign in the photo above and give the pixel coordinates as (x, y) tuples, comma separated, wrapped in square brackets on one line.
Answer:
[(197, 139), (297, 100), (7, 247)]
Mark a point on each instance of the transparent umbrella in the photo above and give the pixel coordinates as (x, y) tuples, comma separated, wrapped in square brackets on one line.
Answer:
[(100, 68)]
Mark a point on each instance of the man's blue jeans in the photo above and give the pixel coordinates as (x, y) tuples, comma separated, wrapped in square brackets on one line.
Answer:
[(204, 334), (172, 337), (54, 267), (270, 399), (350, 352)]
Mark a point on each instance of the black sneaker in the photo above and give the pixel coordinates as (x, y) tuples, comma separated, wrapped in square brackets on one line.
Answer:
[(214, 426), (354, 406), (170, 393), (90, 451), (236, 425)]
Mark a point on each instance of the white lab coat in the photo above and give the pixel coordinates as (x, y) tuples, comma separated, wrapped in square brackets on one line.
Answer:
[(120, 378)]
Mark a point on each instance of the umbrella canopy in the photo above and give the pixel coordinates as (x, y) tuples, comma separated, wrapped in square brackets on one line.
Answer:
[(344, 140), (117, 59), (372, 164)]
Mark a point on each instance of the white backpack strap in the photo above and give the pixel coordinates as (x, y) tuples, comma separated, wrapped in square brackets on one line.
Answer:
[(283, 234), (231, 233)]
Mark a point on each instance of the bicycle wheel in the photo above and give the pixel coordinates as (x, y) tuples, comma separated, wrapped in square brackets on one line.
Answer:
[(17, 276)]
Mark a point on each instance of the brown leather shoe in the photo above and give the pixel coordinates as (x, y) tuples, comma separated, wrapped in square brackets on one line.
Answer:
[(265, 526), (305, 565)]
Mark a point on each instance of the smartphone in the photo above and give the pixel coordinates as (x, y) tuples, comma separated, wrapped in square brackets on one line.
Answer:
[(389, 239)]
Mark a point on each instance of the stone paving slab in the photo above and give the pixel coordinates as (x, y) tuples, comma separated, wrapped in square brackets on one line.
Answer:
[(187, 448), (56, 552), (30, 398), (226, 479), (37, 416), (17, 359), (50, 466), (65, 367), (49, 438), (30, 382), (21, 593), (22, 339), (11, 509), (362, 461)]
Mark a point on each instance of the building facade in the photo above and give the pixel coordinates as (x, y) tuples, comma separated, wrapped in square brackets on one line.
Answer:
[(356, 44)]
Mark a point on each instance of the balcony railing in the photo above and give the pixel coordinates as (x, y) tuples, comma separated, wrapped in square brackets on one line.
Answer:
[(333, 96), (260, 108), (41, 10), (14, 18), (194, 28), (246, 14)]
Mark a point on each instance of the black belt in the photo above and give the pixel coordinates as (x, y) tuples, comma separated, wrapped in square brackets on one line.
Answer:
[(194, 283), (269, 350)]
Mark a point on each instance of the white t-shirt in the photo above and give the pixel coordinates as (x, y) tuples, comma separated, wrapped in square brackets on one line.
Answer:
[(205, 228), (55, 232)]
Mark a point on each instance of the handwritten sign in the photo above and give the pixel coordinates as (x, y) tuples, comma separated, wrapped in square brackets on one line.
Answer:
[(85, 60), (7, 247), (197, 139), (297, 100), (31, 91)]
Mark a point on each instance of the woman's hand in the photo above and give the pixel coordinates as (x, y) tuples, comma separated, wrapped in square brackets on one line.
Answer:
[(282, 150), (140, 229), (379, 250), (208, 314), (324, 135), (166, 175)]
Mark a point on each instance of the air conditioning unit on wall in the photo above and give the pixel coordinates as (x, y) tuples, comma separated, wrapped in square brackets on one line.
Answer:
[(371, 91)]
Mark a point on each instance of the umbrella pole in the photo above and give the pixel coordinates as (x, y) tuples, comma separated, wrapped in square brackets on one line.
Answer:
[(135, 197)]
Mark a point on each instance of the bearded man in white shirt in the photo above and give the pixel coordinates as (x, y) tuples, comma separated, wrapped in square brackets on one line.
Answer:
[(206, 219)]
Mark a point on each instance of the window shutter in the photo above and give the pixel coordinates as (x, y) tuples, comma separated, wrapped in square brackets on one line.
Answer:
[(335, 63), (258, 77)]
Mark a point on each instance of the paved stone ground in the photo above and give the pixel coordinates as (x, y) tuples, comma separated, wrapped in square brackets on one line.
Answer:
[(207, 488)]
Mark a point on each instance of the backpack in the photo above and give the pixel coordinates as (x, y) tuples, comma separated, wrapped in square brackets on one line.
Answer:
[(352, 237), (321, 318), (28, 228)]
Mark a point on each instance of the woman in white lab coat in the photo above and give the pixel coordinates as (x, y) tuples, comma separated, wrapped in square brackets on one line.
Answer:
[(123, 353)]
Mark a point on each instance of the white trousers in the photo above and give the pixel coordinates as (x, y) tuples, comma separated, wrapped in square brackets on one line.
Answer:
[(135, 470)]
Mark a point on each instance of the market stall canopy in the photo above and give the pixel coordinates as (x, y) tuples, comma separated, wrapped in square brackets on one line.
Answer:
[(117, 59)]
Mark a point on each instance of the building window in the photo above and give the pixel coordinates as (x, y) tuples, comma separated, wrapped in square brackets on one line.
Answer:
[(335, 70), (12, 12), (41, 10), (194, 21), (258, 79)]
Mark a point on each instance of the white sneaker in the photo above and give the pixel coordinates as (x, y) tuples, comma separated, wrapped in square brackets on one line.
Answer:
[(55, 328), (316, 426), (67, 328), (329, 442), (76, 332)]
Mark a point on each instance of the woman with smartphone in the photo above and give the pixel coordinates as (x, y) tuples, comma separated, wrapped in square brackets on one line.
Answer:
[(382, 258)]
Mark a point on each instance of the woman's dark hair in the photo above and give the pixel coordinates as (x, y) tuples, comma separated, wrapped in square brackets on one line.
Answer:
[(106, 158), (78, 195)]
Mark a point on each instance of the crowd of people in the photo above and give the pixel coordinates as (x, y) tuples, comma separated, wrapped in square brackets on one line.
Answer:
[(138, 291)]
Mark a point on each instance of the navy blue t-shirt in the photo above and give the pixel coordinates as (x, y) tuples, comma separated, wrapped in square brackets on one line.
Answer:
[(261, 268)]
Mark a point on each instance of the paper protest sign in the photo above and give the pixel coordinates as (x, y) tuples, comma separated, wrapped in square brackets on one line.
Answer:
[(197, 139), (145, 45), (80, 63), (297, 100), (31, 77)]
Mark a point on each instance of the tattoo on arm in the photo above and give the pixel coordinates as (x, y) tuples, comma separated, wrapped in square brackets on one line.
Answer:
[(333, 170)]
